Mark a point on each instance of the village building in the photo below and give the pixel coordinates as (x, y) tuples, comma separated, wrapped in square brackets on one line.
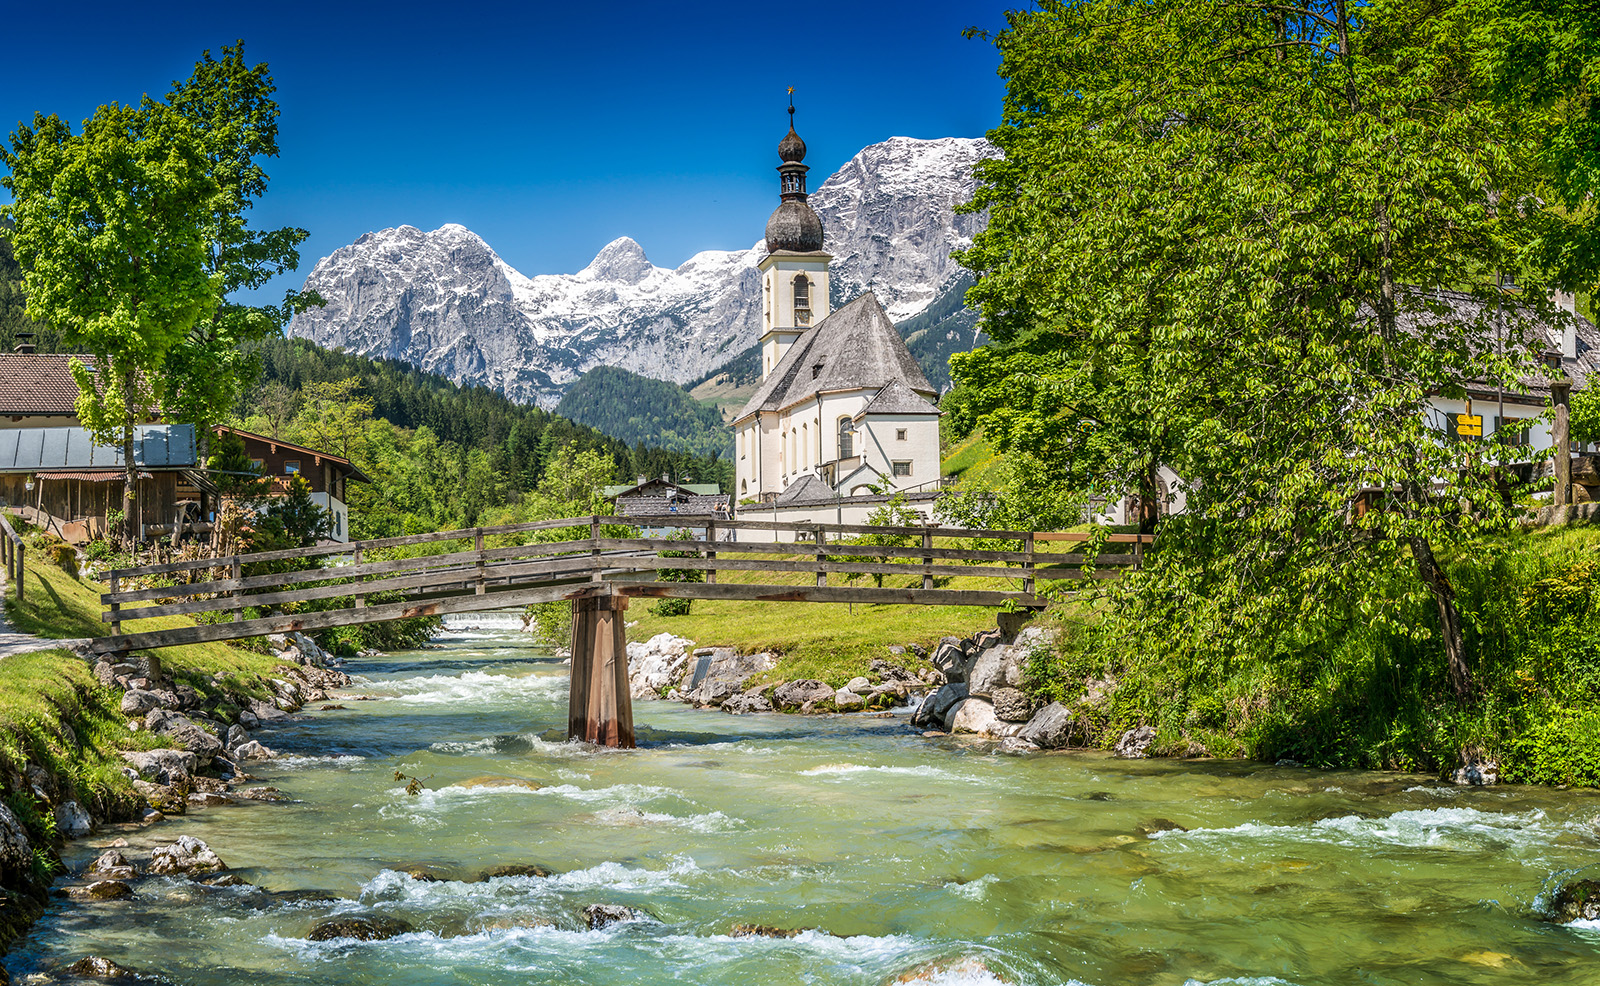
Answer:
[(326, 474), (842, 411), (657, 497)]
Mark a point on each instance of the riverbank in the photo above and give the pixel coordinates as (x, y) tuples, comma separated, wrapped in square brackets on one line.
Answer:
[(86, 743)]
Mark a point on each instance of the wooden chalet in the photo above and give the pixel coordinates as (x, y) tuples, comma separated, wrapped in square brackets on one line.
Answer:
[(326, 473)]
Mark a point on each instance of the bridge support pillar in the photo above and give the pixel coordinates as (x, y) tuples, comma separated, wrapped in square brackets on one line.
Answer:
[(600, 709)]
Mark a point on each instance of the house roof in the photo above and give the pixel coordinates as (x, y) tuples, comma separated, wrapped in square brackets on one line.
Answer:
[(631, 489), (72, 449), (346, 465), (1507, 325), (855, 348), (897, 398), (38, 383)]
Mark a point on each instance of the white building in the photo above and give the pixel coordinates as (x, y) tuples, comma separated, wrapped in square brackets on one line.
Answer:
[(843, 410)]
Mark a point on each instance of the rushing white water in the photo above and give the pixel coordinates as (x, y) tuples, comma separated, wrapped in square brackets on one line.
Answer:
[(889, 858)]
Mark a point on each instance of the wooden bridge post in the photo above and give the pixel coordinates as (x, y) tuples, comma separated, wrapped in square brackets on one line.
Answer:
[(600, 709), (711, 536), (1029, 563), (361, 597), (927, 559), (594, 553), (822, 557)]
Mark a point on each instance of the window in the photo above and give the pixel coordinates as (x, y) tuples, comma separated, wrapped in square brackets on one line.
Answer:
[(259, 465), (1516, 430), (845, 436), (901, 468), (291, 467), (899, 434), (802, 300)]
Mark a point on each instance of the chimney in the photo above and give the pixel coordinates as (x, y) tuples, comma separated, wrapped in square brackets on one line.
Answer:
[(641, 480), (24, 342)]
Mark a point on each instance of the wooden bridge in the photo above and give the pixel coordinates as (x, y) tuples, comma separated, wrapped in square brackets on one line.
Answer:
[(520, 564)]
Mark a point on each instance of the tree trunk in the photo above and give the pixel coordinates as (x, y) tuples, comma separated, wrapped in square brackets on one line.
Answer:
[(130, 469), (1444, 597), (1149, 500)]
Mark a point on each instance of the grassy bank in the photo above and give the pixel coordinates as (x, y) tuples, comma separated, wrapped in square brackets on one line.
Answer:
[(1360, 692)]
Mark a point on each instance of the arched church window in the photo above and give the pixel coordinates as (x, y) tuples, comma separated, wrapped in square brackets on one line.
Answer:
[(846, 449), (802, 291)]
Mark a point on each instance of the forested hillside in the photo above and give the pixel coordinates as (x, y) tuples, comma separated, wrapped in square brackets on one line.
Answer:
[(440, 455), (638, 409)]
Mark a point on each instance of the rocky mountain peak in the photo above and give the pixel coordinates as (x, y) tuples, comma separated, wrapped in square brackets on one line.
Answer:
[(622, 260)]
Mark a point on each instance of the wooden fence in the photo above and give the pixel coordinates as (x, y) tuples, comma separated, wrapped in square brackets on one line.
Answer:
[(544, 562), (12, 553)]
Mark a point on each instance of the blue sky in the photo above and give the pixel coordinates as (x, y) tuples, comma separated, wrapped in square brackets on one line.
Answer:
[(549, 129)]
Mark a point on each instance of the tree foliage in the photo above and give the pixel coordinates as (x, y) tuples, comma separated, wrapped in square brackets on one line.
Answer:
[(1250, 241)]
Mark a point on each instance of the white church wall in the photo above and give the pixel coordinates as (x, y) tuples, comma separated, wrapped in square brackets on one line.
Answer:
[(920, 446)]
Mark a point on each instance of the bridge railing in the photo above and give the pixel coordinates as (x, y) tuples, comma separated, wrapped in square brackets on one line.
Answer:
[(475, 568)]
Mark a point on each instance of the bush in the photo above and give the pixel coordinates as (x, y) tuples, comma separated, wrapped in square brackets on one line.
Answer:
[(551, 622), (678, 607), (1561, 749)]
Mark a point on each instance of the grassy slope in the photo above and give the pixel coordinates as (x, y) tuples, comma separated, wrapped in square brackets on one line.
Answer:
[(52, 710), (974, 462)]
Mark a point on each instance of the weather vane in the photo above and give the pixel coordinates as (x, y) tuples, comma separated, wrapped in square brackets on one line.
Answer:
[(791, 105)]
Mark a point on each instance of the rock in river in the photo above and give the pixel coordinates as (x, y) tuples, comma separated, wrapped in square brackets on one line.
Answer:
[(794, 694), (1050, 728), (373, 927), (600, 915), (1578, 901), (111, 865), (1135, 743), (186, 857)]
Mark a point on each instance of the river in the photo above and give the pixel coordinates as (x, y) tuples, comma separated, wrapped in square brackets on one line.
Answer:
[(902, 853)]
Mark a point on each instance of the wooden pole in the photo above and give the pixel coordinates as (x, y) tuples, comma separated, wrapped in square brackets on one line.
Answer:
[(1561, 438), (599, 708)]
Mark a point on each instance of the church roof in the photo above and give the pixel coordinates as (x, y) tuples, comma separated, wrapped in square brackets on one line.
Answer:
[(855, 348), (897, 398), (807, 489)]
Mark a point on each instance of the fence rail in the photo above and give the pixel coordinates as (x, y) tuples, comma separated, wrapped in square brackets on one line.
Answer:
[(488, 575)]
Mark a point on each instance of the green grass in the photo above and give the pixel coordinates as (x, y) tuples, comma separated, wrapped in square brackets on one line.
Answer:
[(974, 462)]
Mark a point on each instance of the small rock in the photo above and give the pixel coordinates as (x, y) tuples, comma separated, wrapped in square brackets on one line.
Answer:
[(512, 869), (1135, 743), (72, 821), (209, 800), (111, 865), (162, 766), (962, 971), (371, 928), (891, 672), (750, 700), (846, 700), (602, 915), (137, 703), (859, 685), (1577, 901), (762, 931), (252, 750), (261, 794), (107, 890), (224, 880), (94, 967), (237, 737), (1155, 825), (1015, 746)]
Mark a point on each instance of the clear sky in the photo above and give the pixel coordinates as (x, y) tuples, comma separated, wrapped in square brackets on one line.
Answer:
[(547, 128)]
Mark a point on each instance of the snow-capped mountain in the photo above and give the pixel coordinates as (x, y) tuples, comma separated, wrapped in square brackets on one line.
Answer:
[(446, 302)]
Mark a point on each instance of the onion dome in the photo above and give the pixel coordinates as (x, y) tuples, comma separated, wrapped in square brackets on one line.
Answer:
[(794, 225)]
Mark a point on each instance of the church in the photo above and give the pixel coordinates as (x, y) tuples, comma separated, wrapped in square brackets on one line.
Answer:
[(843, 410)]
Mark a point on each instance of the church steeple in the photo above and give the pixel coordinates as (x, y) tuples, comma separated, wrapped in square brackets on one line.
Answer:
[(794, 273)]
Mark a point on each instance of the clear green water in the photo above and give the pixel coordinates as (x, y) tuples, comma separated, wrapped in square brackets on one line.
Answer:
[(901, 851)]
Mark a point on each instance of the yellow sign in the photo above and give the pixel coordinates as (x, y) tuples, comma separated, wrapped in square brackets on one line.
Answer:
[(1469, 425)]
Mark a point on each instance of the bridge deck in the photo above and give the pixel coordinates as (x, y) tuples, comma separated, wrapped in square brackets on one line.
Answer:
[(520, 564)]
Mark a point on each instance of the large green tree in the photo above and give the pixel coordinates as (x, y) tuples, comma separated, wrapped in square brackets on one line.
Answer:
[(111, 227), (1251, 240), (230, 109)]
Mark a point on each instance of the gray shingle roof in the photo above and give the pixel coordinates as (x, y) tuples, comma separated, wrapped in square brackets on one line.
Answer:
[(154, 447), (897, 398), (1514, 323), (855, 348), (807, 489)]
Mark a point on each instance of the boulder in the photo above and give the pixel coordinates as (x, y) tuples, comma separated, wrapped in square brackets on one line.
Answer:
[(797, 694), (988, 672), (1477, 772), (137, 703), (1011, 704), (251, 751), (601, 915), (985, 639), (104, 674), (950, 660), (749, 700), (72, 821), (111, 865), (846, 700), (261, 794), (859, 685), (186, 857), (237, 737), (1577, 901), (1050, 728), (162, 766), (1135, 743), (16, 852), (372, 927), (185, 732), (723, 676), (657, 664), (262, 711), (972, 715), (933, 708), (1016, 746)]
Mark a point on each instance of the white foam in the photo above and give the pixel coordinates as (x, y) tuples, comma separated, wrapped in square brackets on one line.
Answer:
[(832, 769), (474, 686), (714, 821), (1433, 828), (333, 760), (974, 889)]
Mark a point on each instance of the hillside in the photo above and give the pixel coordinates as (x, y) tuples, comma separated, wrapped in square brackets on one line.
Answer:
[(637, 409)]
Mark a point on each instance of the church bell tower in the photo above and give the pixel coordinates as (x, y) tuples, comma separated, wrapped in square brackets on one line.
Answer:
[(794, 273)]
